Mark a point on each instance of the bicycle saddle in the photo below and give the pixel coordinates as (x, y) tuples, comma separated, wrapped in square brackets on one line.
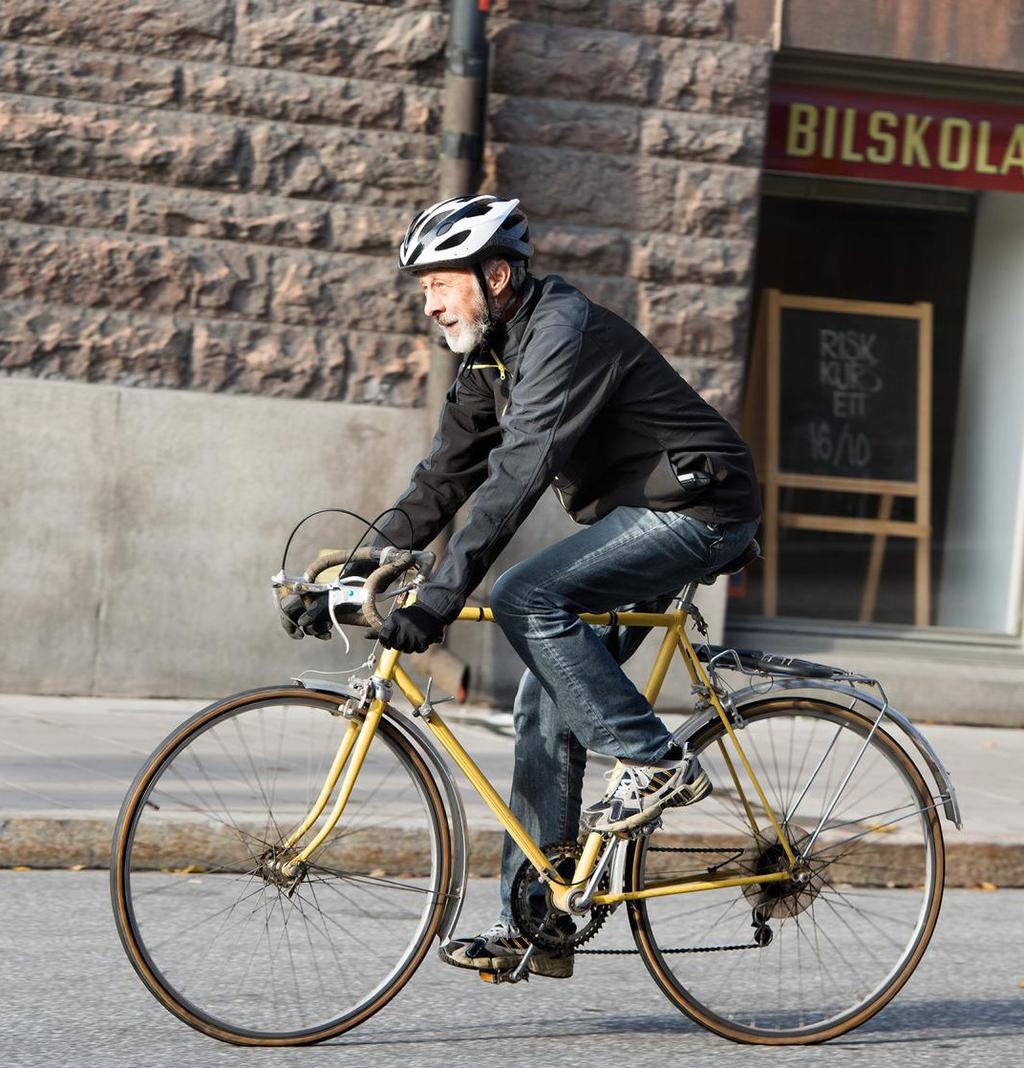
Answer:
[(751, 553)]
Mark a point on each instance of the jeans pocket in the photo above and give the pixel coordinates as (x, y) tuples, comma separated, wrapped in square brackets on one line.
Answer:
[(702, 538), (717, 533), (732, 539)]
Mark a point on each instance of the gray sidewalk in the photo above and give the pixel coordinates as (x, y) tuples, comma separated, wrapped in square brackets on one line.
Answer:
[(66, 762)]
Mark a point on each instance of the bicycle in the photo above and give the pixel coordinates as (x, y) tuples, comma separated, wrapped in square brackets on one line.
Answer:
[(787, 908)]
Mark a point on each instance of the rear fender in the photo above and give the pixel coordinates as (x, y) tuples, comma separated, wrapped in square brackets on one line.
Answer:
[(875, 708)]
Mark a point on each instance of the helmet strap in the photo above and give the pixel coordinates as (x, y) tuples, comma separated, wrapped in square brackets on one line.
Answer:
[(478, 270), (511, 305)]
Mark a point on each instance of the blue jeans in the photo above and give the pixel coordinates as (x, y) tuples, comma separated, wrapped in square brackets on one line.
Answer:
[(574, 696)]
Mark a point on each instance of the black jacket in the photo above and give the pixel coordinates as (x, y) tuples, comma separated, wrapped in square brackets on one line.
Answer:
[(574, 397)]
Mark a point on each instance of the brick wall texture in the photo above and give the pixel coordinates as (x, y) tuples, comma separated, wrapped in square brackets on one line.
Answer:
[(208, 194)]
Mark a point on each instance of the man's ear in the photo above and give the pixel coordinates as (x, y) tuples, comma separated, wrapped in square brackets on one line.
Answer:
[(498, 276)]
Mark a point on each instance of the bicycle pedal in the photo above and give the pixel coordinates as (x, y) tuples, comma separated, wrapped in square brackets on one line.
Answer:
[(643, 830), (503, 977)]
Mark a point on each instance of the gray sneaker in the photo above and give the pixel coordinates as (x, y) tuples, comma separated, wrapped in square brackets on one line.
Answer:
[(638, 793), (499, 949)]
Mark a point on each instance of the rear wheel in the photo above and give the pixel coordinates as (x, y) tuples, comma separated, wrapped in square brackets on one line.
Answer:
[(846, 930), (215, 930)]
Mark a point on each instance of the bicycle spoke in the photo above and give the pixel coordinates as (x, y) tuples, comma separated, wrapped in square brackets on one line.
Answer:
[(179, 933), (378, 880)]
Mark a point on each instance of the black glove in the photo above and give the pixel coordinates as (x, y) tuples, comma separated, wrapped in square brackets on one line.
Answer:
[(306, 614), (309, 613), (412, 629)]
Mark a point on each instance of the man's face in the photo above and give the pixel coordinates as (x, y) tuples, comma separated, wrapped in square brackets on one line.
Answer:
[(454, 301)]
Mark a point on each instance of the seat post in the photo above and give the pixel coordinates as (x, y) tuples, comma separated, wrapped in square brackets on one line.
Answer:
[(686, 596)]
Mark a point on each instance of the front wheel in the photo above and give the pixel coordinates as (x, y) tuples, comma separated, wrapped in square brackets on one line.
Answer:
[(807, 958), (213, 927)]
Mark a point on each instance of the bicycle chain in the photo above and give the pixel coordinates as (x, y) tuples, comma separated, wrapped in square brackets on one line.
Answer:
[(679, 949)]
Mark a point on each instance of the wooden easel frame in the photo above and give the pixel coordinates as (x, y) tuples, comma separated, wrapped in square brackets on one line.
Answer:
[(762, 425)]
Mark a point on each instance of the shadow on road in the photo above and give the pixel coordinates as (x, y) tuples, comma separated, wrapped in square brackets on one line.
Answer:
[(908, 1021)]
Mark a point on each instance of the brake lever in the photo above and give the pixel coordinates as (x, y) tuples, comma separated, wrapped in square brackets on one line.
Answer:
[(398, 592)]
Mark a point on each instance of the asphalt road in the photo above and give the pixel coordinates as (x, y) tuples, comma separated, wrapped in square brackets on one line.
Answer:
[(71, 998)]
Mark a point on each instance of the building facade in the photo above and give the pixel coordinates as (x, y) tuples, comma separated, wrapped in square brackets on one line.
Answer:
[(204, 337)]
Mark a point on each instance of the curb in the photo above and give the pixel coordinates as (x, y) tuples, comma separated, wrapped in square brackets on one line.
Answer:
[(48, 843)]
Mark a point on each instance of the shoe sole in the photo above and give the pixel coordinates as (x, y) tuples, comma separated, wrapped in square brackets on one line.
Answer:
[(557, 969), (688, 794), (488, 964)]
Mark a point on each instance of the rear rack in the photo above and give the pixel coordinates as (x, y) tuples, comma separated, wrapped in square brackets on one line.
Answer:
[(753, 661)]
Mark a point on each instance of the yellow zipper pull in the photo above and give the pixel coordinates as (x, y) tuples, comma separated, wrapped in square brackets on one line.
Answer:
[(499, 365)]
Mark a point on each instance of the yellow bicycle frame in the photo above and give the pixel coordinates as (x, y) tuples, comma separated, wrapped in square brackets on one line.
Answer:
[(359, 734)]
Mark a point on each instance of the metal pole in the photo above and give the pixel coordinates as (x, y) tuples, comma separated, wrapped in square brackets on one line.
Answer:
[(465, 98), (462, 142)]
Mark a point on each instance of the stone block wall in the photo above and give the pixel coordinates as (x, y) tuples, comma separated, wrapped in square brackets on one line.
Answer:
[(633, 132), (207, 194)]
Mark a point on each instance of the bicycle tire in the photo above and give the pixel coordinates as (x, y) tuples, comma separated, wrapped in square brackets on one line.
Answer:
[(196, 810), (889, 877)]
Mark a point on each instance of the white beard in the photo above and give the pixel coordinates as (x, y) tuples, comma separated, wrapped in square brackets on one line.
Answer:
[(471, 328)]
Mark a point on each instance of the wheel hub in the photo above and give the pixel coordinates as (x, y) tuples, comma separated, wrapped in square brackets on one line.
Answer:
[(277, 868), (787, 897)]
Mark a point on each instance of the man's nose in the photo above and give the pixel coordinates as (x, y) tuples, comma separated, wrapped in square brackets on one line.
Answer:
[(432, 304)]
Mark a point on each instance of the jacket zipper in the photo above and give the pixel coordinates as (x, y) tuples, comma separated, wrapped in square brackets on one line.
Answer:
[(559, 492), (501, 368)]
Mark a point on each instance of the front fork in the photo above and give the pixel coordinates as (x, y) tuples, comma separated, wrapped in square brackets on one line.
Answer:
[(354, 745), (352, 750)]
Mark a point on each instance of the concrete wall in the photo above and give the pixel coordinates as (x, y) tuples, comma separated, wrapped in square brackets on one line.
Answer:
[(141, 527)]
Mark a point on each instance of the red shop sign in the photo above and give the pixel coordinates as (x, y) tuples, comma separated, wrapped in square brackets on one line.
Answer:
[(894, 138)]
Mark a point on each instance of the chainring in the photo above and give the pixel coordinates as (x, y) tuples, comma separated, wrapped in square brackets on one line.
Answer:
[(547, 927)]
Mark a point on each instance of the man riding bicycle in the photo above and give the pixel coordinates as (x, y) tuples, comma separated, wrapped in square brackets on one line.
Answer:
[(554, 390)]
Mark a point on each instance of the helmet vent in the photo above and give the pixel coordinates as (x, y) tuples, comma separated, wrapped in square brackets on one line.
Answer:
[(479, 208), (451, 242)]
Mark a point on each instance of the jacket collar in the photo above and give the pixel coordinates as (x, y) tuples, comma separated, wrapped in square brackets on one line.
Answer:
[(507, 337)]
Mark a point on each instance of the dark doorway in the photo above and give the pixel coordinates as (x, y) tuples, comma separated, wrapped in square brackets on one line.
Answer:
[(867, 251)]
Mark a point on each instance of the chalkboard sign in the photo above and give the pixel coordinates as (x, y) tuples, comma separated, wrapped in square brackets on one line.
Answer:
[(839, 400), (848, 394)]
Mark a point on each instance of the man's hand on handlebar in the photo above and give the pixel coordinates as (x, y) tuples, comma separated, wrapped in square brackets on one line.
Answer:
[(305, 614), (306, 605), (412, 630), (309, 613)]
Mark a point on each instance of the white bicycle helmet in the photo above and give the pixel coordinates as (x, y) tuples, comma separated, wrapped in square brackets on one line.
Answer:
[(464, 231)]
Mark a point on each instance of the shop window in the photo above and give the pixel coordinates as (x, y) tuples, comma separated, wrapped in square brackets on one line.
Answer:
[(966, 260)]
